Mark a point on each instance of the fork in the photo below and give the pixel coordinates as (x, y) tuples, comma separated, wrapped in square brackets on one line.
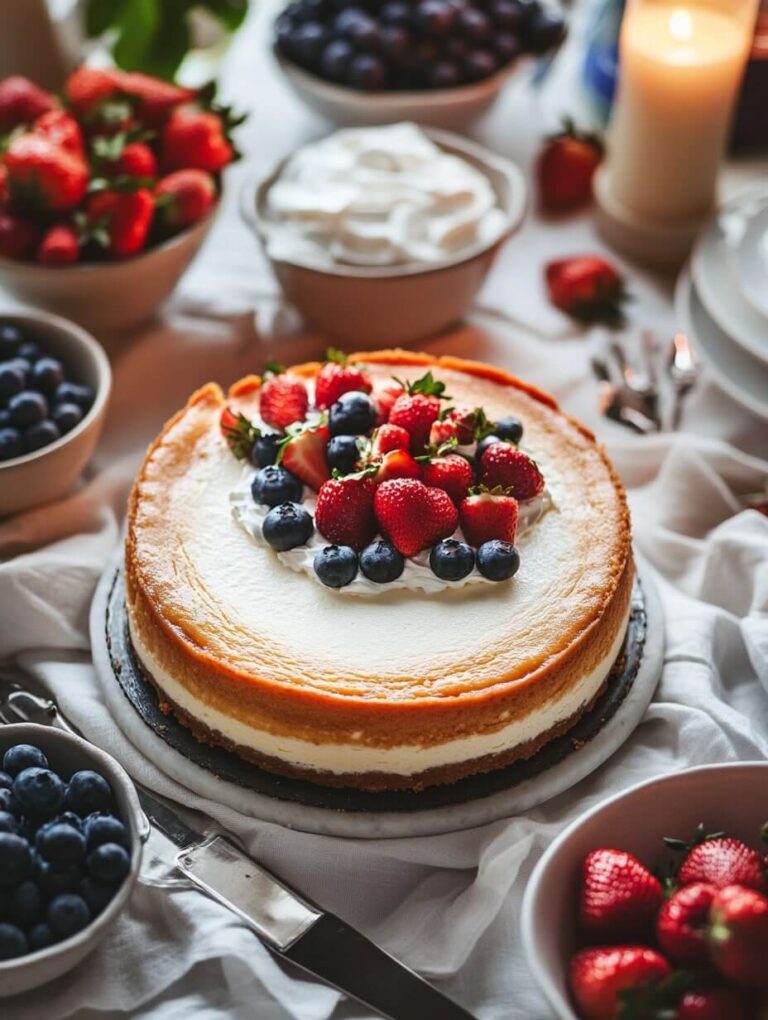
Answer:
[(683, 371)]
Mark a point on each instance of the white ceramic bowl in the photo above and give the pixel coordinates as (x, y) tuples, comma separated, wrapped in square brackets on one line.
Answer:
[(369, 307), (50, 473), (66, 755), (731, 797), (452, 108), (109, 296)]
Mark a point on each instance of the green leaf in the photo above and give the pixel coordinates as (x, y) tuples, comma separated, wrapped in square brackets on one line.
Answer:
[(274, 368), (231, 13), (429, 386), (136, 28), (172, 41), (334, 354), (101, 15)]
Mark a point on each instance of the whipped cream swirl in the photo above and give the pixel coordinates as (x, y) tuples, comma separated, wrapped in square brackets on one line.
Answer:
[(381, 196)]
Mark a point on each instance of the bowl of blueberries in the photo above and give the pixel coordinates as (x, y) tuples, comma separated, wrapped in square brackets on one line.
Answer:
[(435, 62), (55, 382), (71, 839)]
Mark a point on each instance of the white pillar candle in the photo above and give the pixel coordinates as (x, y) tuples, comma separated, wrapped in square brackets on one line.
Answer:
[(680, 67)]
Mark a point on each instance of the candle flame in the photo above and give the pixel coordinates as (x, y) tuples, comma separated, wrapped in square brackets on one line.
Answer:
[(680, 25)]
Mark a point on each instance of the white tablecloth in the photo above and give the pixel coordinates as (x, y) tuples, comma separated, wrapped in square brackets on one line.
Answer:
[(446, 905)]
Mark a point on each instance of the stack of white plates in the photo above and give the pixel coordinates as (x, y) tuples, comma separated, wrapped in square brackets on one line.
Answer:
[(722, 300)]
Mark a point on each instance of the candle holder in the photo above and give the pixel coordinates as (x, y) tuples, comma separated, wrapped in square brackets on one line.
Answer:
[(680, 66)]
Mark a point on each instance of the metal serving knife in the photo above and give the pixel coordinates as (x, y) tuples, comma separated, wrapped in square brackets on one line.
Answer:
[(287, 923)]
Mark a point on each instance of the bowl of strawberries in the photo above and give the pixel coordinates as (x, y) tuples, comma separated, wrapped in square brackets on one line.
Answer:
[(654, 904), (107, 194)]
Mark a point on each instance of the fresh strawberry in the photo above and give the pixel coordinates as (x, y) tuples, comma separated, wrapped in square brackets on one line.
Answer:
[(487, 514), (153, 97), (336, 377), (413, 516), (417, 408), (389, 437), (19, 237), (135, 160), (283, 399), (44, 177), (681, 926), (344, 512), (195, 138), (503, 464), (60, 246), (601, 978), (443, 433), (724, 861), (5, 194), (87, 88), (122, 219), (470, 423), (239, 432), (304, 454), (711, 1002), (62, 129), (397, 464), (588, 288), (21, 102), (565, 168), (738, 935), (184, 197), (450, 472), (385, 397), (619, 897)]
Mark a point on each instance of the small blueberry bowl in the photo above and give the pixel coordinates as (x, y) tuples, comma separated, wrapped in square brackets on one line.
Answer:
[(67, 754), (47, 474)]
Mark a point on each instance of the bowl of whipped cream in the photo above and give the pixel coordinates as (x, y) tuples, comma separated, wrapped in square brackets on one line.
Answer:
[(384, 235)]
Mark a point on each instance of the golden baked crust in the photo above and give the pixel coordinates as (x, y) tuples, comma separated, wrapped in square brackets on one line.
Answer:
[(546, 631)]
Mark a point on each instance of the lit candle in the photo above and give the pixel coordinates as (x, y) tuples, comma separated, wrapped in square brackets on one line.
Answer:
[(680, 68)]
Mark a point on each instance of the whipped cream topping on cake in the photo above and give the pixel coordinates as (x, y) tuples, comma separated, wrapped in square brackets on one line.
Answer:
[(379, 196)]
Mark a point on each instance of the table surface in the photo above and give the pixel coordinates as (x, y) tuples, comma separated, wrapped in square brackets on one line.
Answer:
[(447, 905)]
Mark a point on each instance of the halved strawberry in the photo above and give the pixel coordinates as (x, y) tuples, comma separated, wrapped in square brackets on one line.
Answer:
[(283, 399), (488, 514), (384, 398), (397, 464), (304, 454), (344, 512), (337, 377), (239, 432), (389, 437), (450, 472)]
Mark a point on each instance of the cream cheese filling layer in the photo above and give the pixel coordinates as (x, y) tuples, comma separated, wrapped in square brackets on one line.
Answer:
[(402, 760)]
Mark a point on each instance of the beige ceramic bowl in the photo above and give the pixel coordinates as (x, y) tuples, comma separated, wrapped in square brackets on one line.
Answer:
[(107, 296), (50, 473), (67, 754), (370, 307), (452, 108), (732, 798)]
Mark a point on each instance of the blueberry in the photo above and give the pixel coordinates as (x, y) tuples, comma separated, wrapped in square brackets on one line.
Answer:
[(105, 828), (74, 393), (9, 803), (60, 844), (353, 414), (47, 375), (444, 75), (381, 562), (509, 428), (274, 485), (38, 436), (88, 791), (12, 379), (39, 791), (10, 340), (367, 72), (335, 59), (6, 780), (66, 416), (507, 15), (25, 906), (307, 43), (69, 818), (29, 350), (396, 14), (13, 942), (455, 49), (395, 42), (264, 450), (343, 454), (20, 757), (497, 560), (480, 64), (67, 914), (451, 560), (434, 17), (473, 24), (11, 444), (483, 445), (24, 366), (507, 47), (287, 526), (15, 859), (8, 823), (54, 881), (545, 30), (336, 565), (27, 408), (40, 937), (97, 894), (109, 862)]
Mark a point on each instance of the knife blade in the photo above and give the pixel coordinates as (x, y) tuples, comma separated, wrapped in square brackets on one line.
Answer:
[(288, 924)]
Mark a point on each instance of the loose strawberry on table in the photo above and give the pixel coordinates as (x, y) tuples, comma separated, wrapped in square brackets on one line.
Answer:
[(566, 167), (588, 288)]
